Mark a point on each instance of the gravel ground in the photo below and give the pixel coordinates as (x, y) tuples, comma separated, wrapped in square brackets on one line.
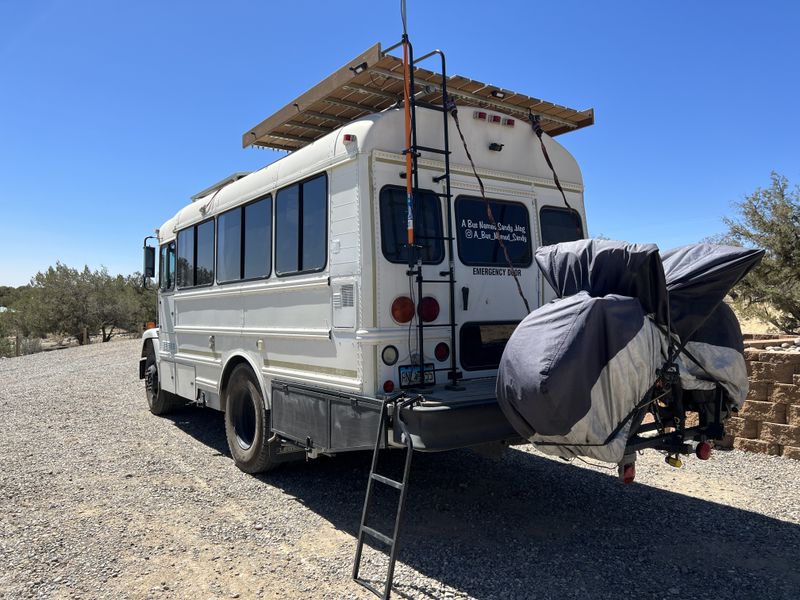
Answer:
[(100, 499)]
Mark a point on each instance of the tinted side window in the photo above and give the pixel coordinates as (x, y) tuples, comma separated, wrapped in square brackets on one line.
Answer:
[(287, 230), (204, 261), (560, 225), (313, 228), (258, 239), (162, 267), (229, 245), (394, 225), (301, 230), (166, 266), (477, 237), (186, 257)]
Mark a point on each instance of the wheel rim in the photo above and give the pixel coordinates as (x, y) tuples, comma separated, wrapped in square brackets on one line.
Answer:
[(244, 420)]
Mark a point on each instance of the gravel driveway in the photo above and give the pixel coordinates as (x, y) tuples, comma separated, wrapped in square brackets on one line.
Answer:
[(100, 499)]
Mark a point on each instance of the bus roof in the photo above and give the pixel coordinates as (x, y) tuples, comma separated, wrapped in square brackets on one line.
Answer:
[(373, 81)]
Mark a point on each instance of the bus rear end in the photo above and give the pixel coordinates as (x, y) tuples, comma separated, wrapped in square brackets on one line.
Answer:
[(496, 281)]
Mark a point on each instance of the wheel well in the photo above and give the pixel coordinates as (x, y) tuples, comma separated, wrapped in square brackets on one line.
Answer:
[(234, 362), (148, 343)]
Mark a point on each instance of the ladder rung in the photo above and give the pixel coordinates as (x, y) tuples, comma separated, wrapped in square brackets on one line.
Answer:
[(391, 482), (377, 535), (434, 150)]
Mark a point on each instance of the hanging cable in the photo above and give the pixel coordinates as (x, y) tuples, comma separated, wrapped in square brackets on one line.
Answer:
[(536, 125), (453, 110)]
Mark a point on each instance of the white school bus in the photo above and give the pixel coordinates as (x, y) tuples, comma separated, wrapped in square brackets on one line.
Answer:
[(290, 298)]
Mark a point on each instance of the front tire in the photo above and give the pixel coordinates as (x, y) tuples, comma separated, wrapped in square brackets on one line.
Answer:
[(247, 423), (159, 401)]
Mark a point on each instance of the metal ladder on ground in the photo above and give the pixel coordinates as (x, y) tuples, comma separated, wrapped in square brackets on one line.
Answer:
[(364, 529)]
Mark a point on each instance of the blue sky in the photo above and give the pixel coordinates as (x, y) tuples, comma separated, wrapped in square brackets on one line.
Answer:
[(113, 114)]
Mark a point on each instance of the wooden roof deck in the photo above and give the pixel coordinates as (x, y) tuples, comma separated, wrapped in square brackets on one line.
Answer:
[(373, 81)]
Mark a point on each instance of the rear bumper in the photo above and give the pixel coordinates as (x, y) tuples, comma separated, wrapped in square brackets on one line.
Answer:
[(446, 426)]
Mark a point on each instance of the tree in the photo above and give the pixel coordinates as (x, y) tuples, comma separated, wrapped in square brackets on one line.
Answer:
[(770, 219), (63, 300)]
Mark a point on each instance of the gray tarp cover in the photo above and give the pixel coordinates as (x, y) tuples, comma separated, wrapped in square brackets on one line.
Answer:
[(575, 368)]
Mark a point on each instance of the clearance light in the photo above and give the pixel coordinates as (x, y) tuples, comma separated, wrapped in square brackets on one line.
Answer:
[(389, 355), (428, 309), (628, 473), (388, 386), (441, 352), (479, 114), (349, 138), (495, 119), (402, 309), (703, 451), (508, 122)]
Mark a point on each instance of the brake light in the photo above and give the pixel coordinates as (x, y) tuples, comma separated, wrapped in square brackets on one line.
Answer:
[(429, 309), (703, 451), (628, 473), (441, 352), (402, 309)]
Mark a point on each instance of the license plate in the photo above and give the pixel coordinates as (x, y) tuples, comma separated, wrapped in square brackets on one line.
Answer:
[(409, 375)]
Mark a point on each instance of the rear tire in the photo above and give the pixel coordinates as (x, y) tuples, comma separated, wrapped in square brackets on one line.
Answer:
[(247, 423), (159, 401)]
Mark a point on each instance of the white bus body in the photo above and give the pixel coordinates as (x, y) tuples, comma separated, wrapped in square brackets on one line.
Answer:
[(315, 340)]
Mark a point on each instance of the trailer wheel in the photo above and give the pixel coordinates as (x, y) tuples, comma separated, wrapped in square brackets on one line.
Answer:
[(159, 401), (247, 423)]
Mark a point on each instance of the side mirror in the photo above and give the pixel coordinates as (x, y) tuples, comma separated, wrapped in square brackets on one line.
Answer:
[(149, 261)]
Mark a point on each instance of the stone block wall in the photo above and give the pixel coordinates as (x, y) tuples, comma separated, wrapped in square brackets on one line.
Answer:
[(769, 420)]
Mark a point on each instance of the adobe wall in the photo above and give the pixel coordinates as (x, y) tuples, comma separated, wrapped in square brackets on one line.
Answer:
[(769, 420)]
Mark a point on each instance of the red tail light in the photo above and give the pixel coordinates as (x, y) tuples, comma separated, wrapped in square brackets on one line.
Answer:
[(628, 473), (429, 309), (441, 352), (388, 386), (402, 309), (703, 451)]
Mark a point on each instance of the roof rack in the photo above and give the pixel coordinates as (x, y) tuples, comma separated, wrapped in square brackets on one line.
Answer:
[(221, 184), (373, 82)]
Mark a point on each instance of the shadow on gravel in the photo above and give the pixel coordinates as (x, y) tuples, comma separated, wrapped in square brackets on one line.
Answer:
[(524, 527)]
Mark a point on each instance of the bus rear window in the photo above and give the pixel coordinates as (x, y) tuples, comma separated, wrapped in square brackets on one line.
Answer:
[(394, 224), (482, 344), (560, 225), (477, 237)]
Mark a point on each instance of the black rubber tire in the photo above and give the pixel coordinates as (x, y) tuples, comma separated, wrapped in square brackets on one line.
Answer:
[(159, 401), (247, 423)]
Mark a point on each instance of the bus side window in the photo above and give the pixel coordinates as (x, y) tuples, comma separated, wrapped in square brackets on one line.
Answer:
[(186, 258), (560, 225), (301, 227), (166, 267)]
